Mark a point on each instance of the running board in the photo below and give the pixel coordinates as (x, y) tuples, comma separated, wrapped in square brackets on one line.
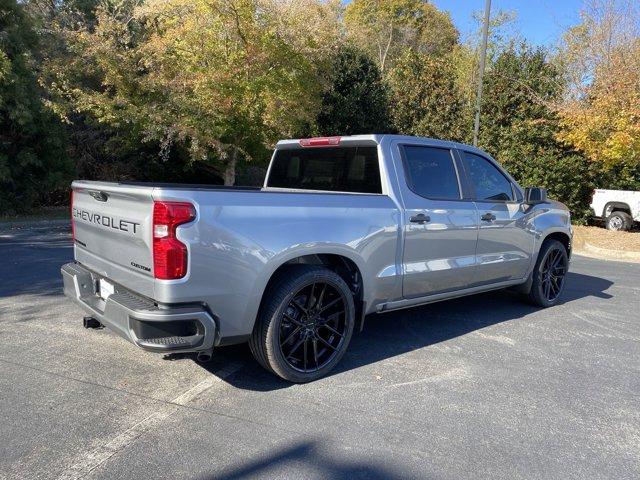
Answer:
[(438, 297)]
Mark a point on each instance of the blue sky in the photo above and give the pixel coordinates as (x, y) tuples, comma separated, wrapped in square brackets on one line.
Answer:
[(541, 22)]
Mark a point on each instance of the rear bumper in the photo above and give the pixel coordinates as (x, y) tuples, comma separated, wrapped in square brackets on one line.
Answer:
[(152, 327)]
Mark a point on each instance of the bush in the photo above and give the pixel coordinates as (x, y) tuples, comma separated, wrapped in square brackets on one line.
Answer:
[(619, 177), (569, 178)]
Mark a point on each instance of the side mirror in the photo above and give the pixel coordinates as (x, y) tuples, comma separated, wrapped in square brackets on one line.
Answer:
[(535, 195)]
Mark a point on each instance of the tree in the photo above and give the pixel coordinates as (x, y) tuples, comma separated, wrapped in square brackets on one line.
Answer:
[(426, 100), (520, 127), (520, 90), (33, 160), (600, 114), (466, 60), (356, 99), (386, 28), (221, 79)]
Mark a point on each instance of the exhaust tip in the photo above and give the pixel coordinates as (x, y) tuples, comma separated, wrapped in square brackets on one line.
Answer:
[(205, 356)]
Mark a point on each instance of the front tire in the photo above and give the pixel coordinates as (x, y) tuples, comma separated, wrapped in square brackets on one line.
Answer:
[(549, 274), (619, 221), (305, 323)]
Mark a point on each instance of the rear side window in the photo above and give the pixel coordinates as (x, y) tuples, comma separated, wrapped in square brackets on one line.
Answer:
[(488, 182), (336, 169), (431, 172)]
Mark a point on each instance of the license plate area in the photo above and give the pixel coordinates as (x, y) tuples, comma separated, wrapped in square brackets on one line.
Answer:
[(105, 289)]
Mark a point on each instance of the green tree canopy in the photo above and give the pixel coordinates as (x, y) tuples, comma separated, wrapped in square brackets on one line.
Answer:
[(426, 100), (519, 126), (356, 99), (186, 90), (33, 160), (221, 78)]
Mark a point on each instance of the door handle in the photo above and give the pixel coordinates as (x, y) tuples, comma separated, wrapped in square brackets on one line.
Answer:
[(420, 218), (488, 217)]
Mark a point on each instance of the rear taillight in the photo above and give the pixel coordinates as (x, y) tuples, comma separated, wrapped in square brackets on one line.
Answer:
[(169, 253), (73, 225), (320, 142)]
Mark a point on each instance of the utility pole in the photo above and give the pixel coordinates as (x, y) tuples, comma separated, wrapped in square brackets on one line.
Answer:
[(483, 55)]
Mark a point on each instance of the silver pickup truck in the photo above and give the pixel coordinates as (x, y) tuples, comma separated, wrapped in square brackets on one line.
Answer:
[(343, 227)]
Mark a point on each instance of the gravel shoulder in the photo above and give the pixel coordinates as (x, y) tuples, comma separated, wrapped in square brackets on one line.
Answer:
[(601, 243)]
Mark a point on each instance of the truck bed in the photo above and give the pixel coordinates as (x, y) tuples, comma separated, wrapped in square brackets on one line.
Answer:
[(238, 238)]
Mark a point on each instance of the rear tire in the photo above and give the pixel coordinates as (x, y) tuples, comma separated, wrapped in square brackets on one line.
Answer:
[(619, 221), (305, 323), (549, 274)]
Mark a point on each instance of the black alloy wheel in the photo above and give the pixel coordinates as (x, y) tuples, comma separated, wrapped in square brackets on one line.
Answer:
[(549, 274), (313, 327), (305, 323), (554, 269)]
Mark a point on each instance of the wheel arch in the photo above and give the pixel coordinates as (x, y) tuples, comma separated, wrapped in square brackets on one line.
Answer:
[(555, 234), (611, 207), (342, 265), (345, 263), (562, 237)]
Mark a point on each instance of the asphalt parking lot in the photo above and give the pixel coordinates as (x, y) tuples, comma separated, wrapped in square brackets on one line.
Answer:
[(482, 387)]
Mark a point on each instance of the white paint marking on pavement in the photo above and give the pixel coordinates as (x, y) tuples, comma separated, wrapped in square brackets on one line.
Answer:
[(616, 333), (90, 460), (497, 338), (459, 373)]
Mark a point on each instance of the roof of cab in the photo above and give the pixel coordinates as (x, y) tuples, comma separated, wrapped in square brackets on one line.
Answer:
[(378, 138)]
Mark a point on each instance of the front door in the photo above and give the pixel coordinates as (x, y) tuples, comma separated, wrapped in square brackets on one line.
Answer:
[(505, 239), (441, 227)]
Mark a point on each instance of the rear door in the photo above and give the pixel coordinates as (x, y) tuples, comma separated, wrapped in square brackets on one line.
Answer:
[(505, 239), (441, 225), (112, 233)]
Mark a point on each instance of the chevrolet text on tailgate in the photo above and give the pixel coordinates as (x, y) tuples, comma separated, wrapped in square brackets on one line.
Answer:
[(343, 227)]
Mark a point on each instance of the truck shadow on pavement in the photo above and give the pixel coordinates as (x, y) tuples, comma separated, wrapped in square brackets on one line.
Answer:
[(309, 457), (395, 333)]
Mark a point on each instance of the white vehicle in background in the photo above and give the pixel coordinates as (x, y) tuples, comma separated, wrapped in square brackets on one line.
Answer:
[(618, 208)]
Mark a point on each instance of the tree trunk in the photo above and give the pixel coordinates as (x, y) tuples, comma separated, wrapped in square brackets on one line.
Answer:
[(230, 169)]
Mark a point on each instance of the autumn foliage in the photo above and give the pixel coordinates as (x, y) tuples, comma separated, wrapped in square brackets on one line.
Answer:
[(199, 90)]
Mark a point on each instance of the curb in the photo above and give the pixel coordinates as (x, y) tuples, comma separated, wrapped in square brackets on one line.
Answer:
[(608, 254)]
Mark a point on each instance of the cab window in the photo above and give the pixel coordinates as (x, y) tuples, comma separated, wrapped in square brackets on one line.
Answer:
[(431, 172), (488, 182), (333, 169)]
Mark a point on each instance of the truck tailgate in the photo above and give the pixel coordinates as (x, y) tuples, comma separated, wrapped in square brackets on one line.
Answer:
[(112, 229)]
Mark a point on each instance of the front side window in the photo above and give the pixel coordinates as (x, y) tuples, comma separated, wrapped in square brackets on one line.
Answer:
[(337, 169), (489, 183), (431, 172)]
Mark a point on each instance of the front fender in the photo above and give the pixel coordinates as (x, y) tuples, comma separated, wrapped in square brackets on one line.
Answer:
[(549, 219)]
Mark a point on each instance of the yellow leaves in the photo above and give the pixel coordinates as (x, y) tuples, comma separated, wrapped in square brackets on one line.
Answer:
[(604, 133), (205, 73), (601, 58), (385, 29), (605, 125)]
